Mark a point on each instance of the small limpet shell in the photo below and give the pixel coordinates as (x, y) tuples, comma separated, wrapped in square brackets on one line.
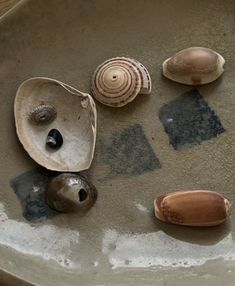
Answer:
[(70, 193), (194, 66), (118, 81), (75, 121), (192, 208), (42, 114)]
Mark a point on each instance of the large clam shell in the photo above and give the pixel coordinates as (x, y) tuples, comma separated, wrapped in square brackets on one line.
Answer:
[(118, 81), (194, 66), (75, 120)]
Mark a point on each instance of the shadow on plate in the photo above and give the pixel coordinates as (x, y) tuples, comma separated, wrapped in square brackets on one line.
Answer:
[(196, 235)]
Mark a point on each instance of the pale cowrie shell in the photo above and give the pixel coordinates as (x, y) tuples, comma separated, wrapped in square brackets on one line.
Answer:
[(194, 66)]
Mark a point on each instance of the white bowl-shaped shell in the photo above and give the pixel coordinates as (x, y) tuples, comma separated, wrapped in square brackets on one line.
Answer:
[(75, 120), (194, 66), (118, 81)]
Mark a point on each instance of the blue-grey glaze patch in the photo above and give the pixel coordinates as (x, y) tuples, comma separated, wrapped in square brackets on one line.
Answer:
[(30, 188), (128, 152), (189, 120)]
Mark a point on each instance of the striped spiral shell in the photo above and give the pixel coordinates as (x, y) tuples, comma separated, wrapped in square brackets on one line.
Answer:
[(42, 114), (118, 81)]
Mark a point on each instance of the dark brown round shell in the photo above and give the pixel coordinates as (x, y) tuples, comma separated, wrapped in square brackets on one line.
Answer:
[(70, 193)]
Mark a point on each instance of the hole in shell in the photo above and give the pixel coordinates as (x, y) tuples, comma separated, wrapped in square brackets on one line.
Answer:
[(114, 77), (82, 195)]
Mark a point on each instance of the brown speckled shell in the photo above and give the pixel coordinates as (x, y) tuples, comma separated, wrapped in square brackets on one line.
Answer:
[(192, 208)]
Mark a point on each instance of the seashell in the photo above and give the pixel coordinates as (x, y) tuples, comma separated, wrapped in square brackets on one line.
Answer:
[(192, 208), (118, 81), (54, 139), (42, 114), (194, 66), (70, 192), (75, 120)]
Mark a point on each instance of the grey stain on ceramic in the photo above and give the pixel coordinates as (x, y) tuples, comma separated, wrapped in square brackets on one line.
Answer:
[(189, 120), (129, 153), (30, 189)]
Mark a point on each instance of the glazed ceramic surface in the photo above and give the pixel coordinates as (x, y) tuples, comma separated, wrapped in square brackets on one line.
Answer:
[(175, 139)]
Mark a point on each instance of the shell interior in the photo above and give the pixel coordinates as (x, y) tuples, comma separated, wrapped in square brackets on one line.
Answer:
[(75, 121)]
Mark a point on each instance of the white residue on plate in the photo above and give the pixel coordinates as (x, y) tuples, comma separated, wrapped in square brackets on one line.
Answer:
[(96, 263), (3, 215), (141, 208), (160, 249), (46, 241)]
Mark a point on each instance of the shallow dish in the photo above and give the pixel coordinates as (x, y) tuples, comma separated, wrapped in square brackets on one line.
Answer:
[(177, 138)]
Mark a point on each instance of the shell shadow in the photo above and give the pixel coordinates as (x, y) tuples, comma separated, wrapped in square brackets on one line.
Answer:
[(30, 188), (195, 235), (181, 88)]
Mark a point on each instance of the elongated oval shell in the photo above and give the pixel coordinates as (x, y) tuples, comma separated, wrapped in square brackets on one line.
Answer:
[(118, 81), (192, 208), (194, 66), (42, 114), (70, 193), (75, 121)]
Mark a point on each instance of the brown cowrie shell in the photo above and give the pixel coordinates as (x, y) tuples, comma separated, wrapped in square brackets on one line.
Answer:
[(194, 66), (192, 208)]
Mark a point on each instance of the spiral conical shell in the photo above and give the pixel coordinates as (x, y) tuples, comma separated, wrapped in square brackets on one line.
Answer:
[(118, 81), (42, 114)]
